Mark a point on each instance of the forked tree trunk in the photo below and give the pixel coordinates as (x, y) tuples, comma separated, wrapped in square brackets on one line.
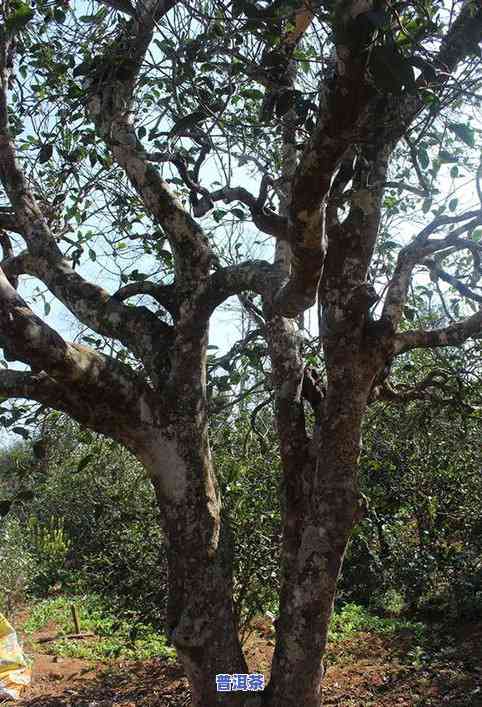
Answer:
[(200, 612), (318, 527), (321, 507)]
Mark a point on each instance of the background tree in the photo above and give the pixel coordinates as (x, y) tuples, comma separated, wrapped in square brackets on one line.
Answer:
[(325, 103)]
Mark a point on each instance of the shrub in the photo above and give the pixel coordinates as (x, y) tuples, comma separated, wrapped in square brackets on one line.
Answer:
[(16, 564)]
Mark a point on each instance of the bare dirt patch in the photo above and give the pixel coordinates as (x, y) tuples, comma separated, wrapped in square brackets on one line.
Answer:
[(366, 670)]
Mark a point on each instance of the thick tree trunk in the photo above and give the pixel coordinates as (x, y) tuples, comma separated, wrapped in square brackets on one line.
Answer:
[(321, 507), (200, 617), (317, 531)]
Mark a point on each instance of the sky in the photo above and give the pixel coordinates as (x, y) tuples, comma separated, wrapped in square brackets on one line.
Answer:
[(226, 323)]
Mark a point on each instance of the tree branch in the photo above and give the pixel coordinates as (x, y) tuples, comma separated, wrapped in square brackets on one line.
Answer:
[(257, 276), (91, 304), (164, 294), (25, 337), (265, 220), (453, 335), (438, 272), (111, 95), (415, 252)]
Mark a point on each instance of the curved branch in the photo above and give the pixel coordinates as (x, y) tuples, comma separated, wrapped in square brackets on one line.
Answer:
[(453, 335), (257, 276), (165, 295), (25, 337), (264, 219), (403, 393), (415, 252), (465, 291), (125, 423), (111, 92), (97, 390)]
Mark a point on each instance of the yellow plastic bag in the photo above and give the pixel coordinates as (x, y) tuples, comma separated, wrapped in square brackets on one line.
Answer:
[(14, 673)]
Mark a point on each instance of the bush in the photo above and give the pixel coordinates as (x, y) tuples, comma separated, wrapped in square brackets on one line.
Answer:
[(421, 538), (93, 524), (16, 564), (249, 474)]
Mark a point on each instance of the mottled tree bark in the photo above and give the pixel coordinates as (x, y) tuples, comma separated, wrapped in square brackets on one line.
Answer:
[(200, 616), (321, 504), (159, 409)]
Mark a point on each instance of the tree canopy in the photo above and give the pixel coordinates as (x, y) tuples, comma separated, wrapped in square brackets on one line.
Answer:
[(158, 158)]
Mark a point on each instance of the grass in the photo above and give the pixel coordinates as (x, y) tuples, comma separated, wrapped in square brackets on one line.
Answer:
[(116, 637), (352, 619)]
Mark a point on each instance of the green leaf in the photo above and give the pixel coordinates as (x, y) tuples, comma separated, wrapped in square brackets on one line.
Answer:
[(426, 205), (253, 93), (45, 153), (83, 462), (390, 70), (59, 15), (453, 204), (166, 256), (409, 313), (423, 158), (21, 431), (82, 68), (446, 157), (90, 19), (20, 17), (464, 132), (218, 214), (239, 213), (92, 254), (46, 309)]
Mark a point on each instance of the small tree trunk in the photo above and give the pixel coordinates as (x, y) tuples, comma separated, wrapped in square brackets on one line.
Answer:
[(200, 617)]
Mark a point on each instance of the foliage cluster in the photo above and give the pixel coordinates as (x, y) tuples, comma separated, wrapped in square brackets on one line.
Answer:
[(92, 524), (419, 547), (84, 516)]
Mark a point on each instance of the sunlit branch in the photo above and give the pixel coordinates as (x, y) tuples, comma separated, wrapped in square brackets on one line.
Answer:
[(453, 335), (415, 252), (463, 289)]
